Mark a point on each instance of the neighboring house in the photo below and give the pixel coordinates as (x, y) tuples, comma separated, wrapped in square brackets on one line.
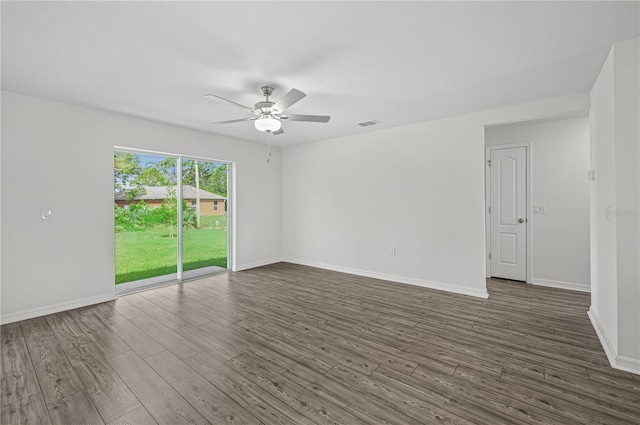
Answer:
[(210, 203)]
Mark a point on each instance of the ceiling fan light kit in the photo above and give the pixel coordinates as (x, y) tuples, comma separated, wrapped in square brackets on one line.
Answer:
[(267, 123), (268, 115)]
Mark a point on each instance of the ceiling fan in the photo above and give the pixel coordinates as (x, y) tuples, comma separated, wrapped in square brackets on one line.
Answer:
[(268, 116)]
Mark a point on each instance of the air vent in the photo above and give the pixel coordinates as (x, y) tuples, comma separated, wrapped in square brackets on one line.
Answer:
[(368, 123)]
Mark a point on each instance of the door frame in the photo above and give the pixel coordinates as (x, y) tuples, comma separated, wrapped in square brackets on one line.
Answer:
[(487, 204), (159, 281)]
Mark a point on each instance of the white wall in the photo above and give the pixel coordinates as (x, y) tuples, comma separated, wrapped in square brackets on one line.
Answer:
[(418, 188), (344, 202), (559, 161), (348, 200), (60, 157), (627, 139), (604, 297), (615, 206)]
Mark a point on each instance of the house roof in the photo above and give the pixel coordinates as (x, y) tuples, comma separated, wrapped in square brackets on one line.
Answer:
[(161, 192)]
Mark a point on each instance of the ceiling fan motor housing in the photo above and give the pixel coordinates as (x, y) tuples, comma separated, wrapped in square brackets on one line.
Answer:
[(264, 106), (266, 90)]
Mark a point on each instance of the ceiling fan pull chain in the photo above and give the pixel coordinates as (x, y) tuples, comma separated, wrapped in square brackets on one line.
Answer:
[(267, 133)]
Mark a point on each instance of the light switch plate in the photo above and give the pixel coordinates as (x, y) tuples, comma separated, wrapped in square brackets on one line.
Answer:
[(538, 208)]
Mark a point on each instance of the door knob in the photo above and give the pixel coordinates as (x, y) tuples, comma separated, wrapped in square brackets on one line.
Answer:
[(521, 220)]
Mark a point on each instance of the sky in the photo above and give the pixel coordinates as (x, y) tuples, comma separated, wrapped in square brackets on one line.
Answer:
[(153, 159), (146, 158)]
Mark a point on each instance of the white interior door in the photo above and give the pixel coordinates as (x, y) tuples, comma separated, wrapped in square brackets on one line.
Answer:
[(508, 213)]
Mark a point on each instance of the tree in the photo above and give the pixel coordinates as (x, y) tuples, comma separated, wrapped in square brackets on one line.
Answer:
[(126, 168), (196, 172), (189, 172), (168, 168), (217, 182), (170, 209), (151, 176), (212, 176)]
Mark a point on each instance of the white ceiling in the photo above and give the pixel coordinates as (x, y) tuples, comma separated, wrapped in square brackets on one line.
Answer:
[(396, 62)]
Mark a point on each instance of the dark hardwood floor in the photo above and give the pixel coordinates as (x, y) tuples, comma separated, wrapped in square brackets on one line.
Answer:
[(287, 344)]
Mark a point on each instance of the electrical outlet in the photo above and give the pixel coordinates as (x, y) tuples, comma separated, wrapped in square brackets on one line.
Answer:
[(392, 251)]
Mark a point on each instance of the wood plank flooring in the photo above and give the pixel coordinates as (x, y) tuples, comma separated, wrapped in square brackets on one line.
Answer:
[(288, 344)]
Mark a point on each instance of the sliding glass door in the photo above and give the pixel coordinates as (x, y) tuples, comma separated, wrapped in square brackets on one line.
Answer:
[(205, 233), (153, 194)]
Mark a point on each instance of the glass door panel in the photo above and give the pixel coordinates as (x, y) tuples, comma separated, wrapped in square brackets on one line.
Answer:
[(146, 216), (204, 206)]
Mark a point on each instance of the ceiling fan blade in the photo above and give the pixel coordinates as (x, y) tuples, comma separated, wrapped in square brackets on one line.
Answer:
[(279, 131), (308, 118), (233, 121), (287, 100), (232, 102)]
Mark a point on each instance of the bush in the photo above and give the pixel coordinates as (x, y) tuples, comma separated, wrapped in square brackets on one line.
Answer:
[(161, 215), (128, 219), (137, 217), (189, 216)]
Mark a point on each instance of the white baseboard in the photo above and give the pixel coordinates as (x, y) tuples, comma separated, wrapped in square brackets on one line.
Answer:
[(582, 287), (43, 311), (393, 278), (609, 349), (626, 364), (255, 264)]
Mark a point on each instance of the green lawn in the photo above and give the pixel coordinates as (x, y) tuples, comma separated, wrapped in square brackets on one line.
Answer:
[(150, 253)]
